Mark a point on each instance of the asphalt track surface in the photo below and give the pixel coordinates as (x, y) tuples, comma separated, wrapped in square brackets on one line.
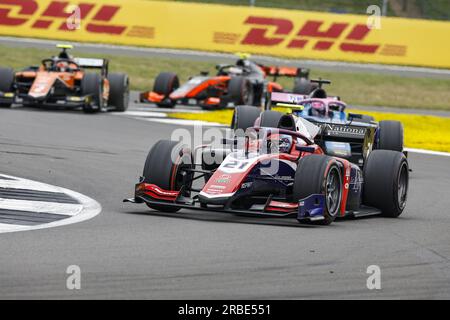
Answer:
[(129, 251)]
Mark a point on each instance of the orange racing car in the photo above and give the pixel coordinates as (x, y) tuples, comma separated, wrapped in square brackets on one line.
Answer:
[(62, 81)]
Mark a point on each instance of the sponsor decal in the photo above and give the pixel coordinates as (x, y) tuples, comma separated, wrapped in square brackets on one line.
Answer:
[(291, 33), (320, 35), (91, 17), (19, 12), (224, 178), (338, 129), (217, 187)]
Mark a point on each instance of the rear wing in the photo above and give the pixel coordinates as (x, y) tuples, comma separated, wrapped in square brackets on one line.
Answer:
[(276, 71), (285, 100), (89, 63), (295, 100)]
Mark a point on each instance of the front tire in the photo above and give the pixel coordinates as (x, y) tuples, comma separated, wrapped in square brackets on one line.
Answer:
[(165, 84), (160, 169), (386, 180), (119, 91), (92, 84), (7, 76), (320, 174)]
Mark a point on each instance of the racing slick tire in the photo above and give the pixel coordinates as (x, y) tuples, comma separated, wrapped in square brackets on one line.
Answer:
[(386, 179), (390, 135), (241, 91), (165, 84), (92, 84), (303, 86), (6, 83), (270, 119), (159, 169), (320, 174), (244, 117), (119, 91)]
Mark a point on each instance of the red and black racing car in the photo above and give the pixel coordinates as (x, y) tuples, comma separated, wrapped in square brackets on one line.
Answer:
[(243, 83), (288, 168)]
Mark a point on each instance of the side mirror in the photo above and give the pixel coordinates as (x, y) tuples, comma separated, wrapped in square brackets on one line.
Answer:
[(305, 148), (352, 116)]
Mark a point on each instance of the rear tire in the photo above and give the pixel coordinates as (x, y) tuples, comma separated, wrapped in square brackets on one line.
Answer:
[(270, 119), (386, 179), (303, 86), (159, 169), (241, 91), (92, 84), (165, 84), (244, 117), (119, 91), (7, 76), (390, 135), (319, 174)]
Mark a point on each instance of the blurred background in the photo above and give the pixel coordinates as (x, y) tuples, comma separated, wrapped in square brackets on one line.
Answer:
[(421, 9)]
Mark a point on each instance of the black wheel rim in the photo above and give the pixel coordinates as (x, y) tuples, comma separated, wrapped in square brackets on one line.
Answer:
[(333, 191), (402, 185)]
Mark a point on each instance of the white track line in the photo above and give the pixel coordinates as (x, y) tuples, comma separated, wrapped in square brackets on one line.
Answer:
[(429, 152), (30, 185), (68, 209), (86, 209), (149, 114), (183, 122)]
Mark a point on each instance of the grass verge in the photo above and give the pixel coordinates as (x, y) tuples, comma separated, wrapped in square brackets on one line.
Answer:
[(421, 131), (354, 88)]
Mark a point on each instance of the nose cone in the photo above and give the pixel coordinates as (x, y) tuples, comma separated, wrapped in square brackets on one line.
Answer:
[(42, 84)]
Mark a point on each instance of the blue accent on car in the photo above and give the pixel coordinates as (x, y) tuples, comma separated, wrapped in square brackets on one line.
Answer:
[(333, 116), (311, 207)]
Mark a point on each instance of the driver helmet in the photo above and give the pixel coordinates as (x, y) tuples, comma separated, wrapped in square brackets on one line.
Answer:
[(285, 143), (281, 143), (62, 66), (243, 63), (318, 109)]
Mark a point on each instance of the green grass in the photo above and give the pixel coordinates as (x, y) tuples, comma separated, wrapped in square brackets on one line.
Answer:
[(354, 88)]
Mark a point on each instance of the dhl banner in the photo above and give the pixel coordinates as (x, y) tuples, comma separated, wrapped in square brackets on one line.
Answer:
[(289, 33)]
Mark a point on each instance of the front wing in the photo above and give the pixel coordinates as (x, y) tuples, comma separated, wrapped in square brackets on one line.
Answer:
[(310, 208)]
